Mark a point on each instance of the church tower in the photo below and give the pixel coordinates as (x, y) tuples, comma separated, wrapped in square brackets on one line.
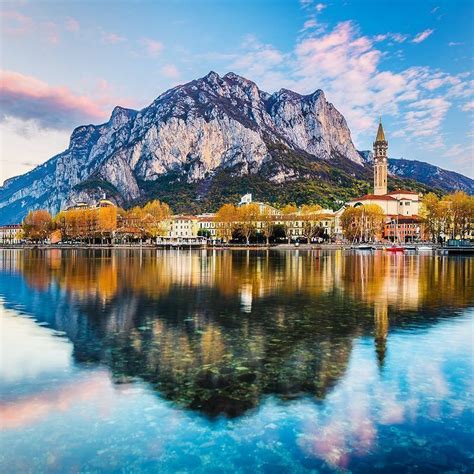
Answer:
[(380, 162)]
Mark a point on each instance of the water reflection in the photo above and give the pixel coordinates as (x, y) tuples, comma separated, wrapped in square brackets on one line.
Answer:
[(317, 362), (216, 331)]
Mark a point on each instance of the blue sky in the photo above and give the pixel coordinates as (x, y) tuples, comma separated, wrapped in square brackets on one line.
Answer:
[(68, 63)]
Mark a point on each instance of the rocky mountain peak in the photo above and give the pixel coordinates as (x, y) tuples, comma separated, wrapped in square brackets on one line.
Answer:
[(193, 133)]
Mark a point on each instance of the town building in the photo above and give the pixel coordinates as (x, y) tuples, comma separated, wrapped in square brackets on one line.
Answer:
[(404, 229), (183, 226), (10, 234), (398, 205), (263, 207), (207, 225), (400, 202)]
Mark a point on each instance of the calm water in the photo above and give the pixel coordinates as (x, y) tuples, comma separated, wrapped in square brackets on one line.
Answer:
[(220, 361)]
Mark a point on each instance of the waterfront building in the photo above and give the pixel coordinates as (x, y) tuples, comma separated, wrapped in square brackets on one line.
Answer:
[(10, 234), (400, 202), (207, 224), (183, 226), (401, 207), (404, 229)]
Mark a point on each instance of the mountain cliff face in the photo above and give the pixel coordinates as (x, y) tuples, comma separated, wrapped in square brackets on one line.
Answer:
[(197, 145)]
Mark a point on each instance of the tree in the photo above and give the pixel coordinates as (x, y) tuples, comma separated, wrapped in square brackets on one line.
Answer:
[(461, 213), (131, 223), (373, 221), (452, 215), (288, 216), (267, 224), (350, 223), (155, 215), (226, 218), (362, 223), (106, 221), (310, 215), (204, 233), (37, 225), (430, 211), (248, 215)]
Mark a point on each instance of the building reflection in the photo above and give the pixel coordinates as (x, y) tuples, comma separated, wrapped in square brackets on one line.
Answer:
[(216, 331)]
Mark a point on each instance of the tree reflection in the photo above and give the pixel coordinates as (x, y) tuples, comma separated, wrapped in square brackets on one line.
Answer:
[(217, 331)]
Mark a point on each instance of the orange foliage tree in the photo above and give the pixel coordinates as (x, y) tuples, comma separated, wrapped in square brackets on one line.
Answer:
[(225, 219), (37, 225), (248, 216)]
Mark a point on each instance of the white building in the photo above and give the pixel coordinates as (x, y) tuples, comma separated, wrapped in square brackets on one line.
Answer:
[(183, 226), (396, 203), (206, 222), (10, 234)]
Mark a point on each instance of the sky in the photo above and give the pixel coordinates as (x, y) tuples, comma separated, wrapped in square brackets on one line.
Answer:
[(68, 63)]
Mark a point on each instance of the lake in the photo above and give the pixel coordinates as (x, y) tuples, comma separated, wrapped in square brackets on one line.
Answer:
[(235, 361)]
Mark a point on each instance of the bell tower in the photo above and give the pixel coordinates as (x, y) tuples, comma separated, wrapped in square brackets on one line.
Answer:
[(380, 162)]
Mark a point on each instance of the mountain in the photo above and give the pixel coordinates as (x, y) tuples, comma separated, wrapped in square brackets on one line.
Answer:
[(201, 144), (430, 175)]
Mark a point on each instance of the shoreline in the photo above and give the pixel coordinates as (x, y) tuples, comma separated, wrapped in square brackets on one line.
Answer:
[(335, 246)]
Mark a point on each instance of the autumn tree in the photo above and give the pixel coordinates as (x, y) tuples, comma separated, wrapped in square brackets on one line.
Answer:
[(453, 215), (288, 215), (131, 223), (106, 221), (248, 215), (430, 211), (460, 213), (310, 216), (226, 218), (350, 223), (37, 225), (363, 223), (267, 223), (373, 221), (155, 215)]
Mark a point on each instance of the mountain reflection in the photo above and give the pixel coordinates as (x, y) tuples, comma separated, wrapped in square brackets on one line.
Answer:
[(215, 331)]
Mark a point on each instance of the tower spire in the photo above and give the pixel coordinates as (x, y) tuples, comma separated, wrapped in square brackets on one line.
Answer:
[(380, 132), (380, 161)]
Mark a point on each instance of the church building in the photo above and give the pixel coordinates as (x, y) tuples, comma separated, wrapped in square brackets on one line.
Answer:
[(395, 203)]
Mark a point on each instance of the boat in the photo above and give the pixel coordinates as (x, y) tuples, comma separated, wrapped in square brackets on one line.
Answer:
[(424, 248), (395, 248), (362, 247)]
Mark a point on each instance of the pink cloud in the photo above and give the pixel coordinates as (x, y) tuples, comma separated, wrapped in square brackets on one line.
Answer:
[(72, 25), (422, 36), (112, 38), (311, 23), (15, 23), (397, 37), (51, 32), (27, 97), (170, 71), (152, 47)]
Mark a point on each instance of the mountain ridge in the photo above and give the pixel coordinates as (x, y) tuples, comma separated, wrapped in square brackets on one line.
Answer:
[(208, 131)]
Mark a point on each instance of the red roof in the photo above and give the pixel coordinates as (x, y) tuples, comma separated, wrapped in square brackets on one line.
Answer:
[(402, 191), (374, 197)]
